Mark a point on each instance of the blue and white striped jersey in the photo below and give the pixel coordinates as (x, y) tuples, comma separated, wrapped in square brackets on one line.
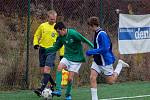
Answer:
[(102, 51)]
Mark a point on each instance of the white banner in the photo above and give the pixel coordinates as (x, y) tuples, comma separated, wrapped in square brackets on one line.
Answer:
[(134, 33)]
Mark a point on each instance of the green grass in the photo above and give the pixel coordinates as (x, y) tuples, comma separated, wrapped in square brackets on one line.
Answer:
[(127, 89)]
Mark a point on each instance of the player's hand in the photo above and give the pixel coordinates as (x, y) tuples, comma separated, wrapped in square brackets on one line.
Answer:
[(36, 46), (88, 53)]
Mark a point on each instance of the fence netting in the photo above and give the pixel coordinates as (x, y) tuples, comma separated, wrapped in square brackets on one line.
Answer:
[(13, 36)]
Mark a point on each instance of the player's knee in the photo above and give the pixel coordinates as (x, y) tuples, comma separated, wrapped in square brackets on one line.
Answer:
[(70, 79), (46, 69), (92, 78), (59, 67), (110, 82)]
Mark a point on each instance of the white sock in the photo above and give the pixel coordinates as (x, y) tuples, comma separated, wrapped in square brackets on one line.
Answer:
[(94, 93), (118, 68)]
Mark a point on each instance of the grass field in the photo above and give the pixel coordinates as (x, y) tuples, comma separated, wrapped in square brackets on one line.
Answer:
[(128, 89)]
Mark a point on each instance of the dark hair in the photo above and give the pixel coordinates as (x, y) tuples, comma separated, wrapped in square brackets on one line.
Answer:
[(93, 21), (59, 25)]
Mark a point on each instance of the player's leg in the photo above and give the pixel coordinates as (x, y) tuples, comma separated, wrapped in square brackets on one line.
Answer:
[(42, 58), (62, 65), (46, 78), (95, 69), (49, 65), (110, 79), (69, 86), (49, 62), (108, 71), (119, 66), (73, 68)]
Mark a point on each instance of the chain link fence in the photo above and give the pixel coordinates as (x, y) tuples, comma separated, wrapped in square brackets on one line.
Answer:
[(15, 73)]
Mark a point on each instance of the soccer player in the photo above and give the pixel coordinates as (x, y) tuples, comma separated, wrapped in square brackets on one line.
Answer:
[(73, 56), (44, 37), (103, 57)]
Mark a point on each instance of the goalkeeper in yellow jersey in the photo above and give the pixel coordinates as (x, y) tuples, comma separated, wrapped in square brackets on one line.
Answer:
[(44, 37)]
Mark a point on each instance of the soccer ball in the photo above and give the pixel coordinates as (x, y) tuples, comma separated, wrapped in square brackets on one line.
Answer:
[(46, 94)]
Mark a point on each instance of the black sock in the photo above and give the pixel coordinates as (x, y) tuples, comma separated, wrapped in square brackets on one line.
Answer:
[(45, 80), (52, 81)]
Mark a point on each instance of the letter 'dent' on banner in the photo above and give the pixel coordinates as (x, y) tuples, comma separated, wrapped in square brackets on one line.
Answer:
[(134, 33)]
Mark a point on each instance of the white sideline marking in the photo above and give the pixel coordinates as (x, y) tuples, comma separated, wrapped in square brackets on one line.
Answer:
[(140, 96)]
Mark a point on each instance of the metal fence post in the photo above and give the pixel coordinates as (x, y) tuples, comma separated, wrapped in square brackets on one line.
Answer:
[(27, 48)]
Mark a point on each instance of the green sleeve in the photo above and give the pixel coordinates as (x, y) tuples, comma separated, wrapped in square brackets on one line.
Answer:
[(83, 39), (55, 47)]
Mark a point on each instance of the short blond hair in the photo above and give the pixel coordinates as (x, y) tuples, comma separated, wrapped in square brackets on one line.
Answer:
[(52, 12)]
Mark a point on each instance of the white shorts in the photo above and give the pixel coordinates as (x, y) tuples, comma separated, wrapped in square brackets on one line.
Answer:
[(107, 70), (71, 66)]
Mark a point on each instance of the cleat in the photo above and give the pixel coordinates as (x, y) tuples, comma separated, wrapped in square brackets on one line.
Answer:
[(123, 63), (38, 92), (56, 93), (68, 97)]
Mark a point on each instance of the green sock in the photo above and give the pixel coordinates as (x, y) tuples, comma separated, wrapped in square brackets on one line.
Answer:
[(58, 80), (69, 87)]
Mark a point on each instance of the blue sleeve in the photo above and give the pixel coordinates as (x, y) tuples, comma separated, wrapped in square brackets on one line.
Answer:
[(104, 44)]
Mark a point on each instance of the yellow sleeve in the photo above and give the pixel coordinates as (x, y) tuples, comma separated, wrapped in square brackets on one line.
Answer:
[(61, 51), (37, 35)]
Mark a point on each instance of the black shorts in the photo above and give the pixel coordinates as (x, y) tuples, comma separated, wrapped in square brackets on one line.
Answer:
[(46, 59)]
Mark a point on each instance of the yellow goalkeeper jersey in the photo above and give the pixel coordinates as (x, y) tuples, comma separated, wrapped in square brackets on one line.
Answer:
[(45, 36)]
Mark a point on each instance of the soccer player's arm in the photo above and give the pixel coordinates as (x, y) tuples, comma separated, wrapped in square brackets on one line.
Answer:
[(83, 39), (104, 45), (37, 35), (57, 45)]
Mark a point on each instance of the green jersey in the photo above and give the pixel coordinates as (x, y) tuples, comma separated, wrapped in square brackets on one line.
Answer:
[(73, 46)]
